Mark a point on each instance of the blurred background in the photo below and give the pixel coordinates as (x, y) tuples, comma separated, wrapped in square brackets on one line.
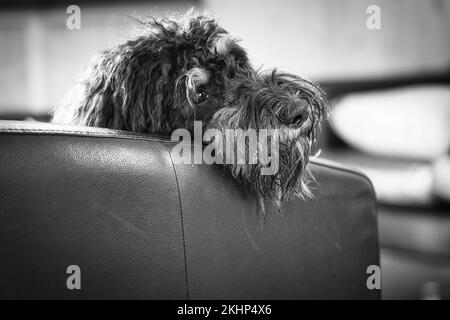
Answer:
[(384, 64)]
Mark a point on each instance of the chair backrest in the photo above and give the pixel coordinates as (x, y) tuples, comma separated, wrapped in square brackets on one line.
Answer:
[(114, 205)]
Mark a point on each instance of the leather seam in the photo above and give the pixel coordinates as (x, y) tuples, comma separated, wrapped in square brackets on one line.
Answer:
[(182, 222)]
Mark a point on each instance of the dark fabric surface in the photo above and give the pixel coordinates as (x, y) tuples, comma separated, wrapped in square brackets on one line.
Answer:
[(139, 226)]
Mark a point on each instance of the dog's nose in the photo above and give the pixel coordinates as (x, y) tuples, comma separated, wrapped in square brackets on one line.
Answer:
[(299, 115)]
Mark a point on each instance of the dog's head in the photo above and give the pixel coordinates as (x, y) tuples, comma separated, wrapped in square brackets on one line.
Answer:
[(294, 109), (177, 72)]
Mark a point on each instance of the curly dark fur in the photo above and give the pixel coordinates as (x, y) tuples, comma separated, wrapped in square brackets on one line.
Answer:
[(176, 72)]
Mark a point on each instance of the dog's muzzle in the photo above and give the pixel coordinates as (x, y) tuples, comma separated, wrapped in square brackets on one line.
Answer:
[(296, 115)]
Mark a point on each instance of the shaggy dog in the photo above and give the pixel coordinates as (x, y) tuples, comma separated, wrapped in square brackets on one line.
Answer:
[(178, 71)]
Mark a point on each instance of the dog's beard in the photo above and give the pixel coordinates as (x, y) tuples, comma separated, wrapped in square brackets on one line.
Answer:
[(293, 176), (288, 181), (291, 179)]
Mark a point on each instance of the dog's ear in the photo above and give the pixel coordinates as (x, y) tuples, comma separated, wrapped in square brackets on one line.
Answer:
[(223, 44)]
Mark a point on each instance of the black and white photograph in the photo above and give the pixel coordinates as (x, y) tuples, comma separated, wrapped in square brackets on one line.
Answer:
[(224, 155)]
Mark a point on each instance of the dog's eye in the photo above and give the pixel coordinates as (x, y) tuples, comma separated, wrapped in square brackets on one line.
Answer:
[(202, 97)]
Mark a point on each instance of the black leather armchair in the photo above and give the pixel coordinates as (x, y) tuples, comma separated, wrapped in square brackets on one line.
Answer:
[(138, 226)]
